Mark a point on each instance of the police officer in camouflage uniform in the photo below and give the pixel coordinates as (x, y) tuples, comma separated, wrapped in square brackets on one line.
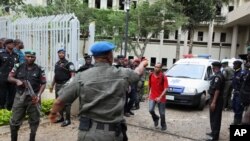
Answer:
[(216, 101), (228, 75), (101, 91), (64, 71), (236, 102), (24, 103), (7, 60)]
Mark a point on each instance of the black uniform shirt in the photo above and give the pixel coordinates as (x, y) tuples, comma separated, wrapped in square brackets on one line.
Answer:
[(7, 62), (217, 83), (36, 75), (63, 70)]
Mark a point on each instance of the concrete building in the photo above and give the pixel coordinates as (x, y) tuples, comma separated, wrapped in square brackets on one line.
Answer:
[(220, 38), (225, 37)]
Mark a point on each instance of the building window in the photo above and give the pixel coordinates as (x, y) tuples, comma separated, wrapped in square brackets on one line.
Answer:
[(189, 35), (98, 4), (166, 34), (174, 60), (86, 1), (218, 10), (200, 36), (154, 36), (230, 8), (213, 37), (176, 34), (152, 61), (121, 5), (134, 4), (49, 2), (164, 62), (130, 57), (109, 4), (223, 37)]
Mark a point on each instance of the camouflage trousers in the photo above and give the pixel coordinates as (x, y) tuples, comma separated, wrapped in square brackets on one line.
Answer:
[(23, 106)]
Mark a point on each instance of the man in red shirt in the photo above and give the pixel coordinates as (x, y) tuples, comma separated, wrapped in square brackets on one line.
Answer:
[(158, 84)]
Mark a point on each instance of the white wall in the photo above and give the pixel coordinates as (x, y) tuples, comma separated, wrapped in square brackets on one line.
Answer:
[(36, 2)]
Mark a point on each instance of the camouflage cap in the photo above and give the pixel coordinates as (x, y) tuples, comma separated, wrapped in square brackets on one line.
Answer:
[(30, 52)]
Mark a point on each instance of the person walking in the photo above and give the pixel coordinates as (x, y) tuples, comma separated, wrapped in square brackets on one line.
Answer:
[(237, 83), (216, 101), (101, 91), (25, 103), (158, 85), (64, 71), (8, 59)]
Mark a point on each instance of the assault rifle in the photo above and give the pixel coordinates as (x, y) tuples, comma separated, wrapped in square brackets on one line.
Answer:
[(29, 91)]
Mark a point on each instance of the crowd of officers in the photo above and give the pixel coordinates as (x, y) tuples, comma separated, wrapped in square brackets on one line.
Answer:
[(16, 67), (223, 84)]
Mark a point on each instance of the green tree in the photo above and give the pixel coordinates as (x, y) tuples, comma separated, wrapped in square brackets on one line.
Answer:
[(197, 11), (146, 20), (7, 5)]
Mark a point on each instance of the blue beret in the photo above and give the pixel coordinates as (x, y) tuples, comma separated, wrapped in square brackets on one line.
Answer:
[(61, 49), (102, 47)]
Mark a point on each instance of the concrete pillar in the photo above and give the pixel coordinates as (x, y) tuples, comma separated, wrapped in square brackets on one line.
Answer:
[(185, 46), (234, 41), (91, 38), (104, 4), (247, 39), (91, 3), (116, 4), (158, 58), (210, 37)]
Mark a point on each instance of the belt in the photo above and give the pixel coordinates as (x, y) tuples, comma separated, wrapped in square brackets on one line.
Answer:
[(86, 124), (101, 126)]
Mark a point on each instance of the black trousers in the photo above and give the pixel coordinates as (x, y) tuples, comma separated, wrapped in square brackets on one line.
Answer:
[(7, 95), (215, 117)]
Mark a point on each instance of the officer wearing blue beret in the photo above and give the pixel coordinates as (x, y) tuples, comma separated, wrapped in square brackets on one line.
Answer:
[(101, 91), (64, 71)]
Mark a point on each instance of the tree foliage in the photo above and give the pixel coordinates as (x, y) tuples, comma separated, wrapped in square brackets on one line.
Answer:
[(198, 11), (148, 19), (7, 5)]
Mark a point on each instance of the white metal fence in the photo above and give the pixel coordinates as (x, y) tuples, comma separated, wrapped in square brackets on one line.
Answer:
[(46, 35)]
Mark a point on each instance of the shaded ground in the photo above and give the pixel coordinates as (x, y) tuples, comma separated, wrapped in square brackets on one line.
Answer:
[(183, 123)]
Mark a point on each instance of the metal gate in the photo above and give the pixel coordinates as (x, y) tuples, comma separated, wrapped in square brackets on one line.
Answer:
[(46, 35)]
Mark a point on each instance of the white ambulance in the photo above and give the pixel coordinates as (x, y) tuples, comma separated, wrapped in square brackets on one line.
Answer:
[(189, 81)]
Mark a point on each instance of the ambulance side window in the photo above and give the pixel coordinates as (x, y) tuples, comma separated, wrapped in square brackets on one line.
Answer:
[(209, 73)]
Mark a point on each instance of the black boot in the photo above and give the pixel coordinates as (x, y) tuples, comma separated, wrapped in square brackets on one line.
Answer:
[(14, 132), (32, 136)]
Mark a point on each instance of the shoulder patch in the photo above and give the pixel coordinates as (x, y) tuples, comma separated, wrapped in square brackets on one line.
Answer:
[(216, 79)]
